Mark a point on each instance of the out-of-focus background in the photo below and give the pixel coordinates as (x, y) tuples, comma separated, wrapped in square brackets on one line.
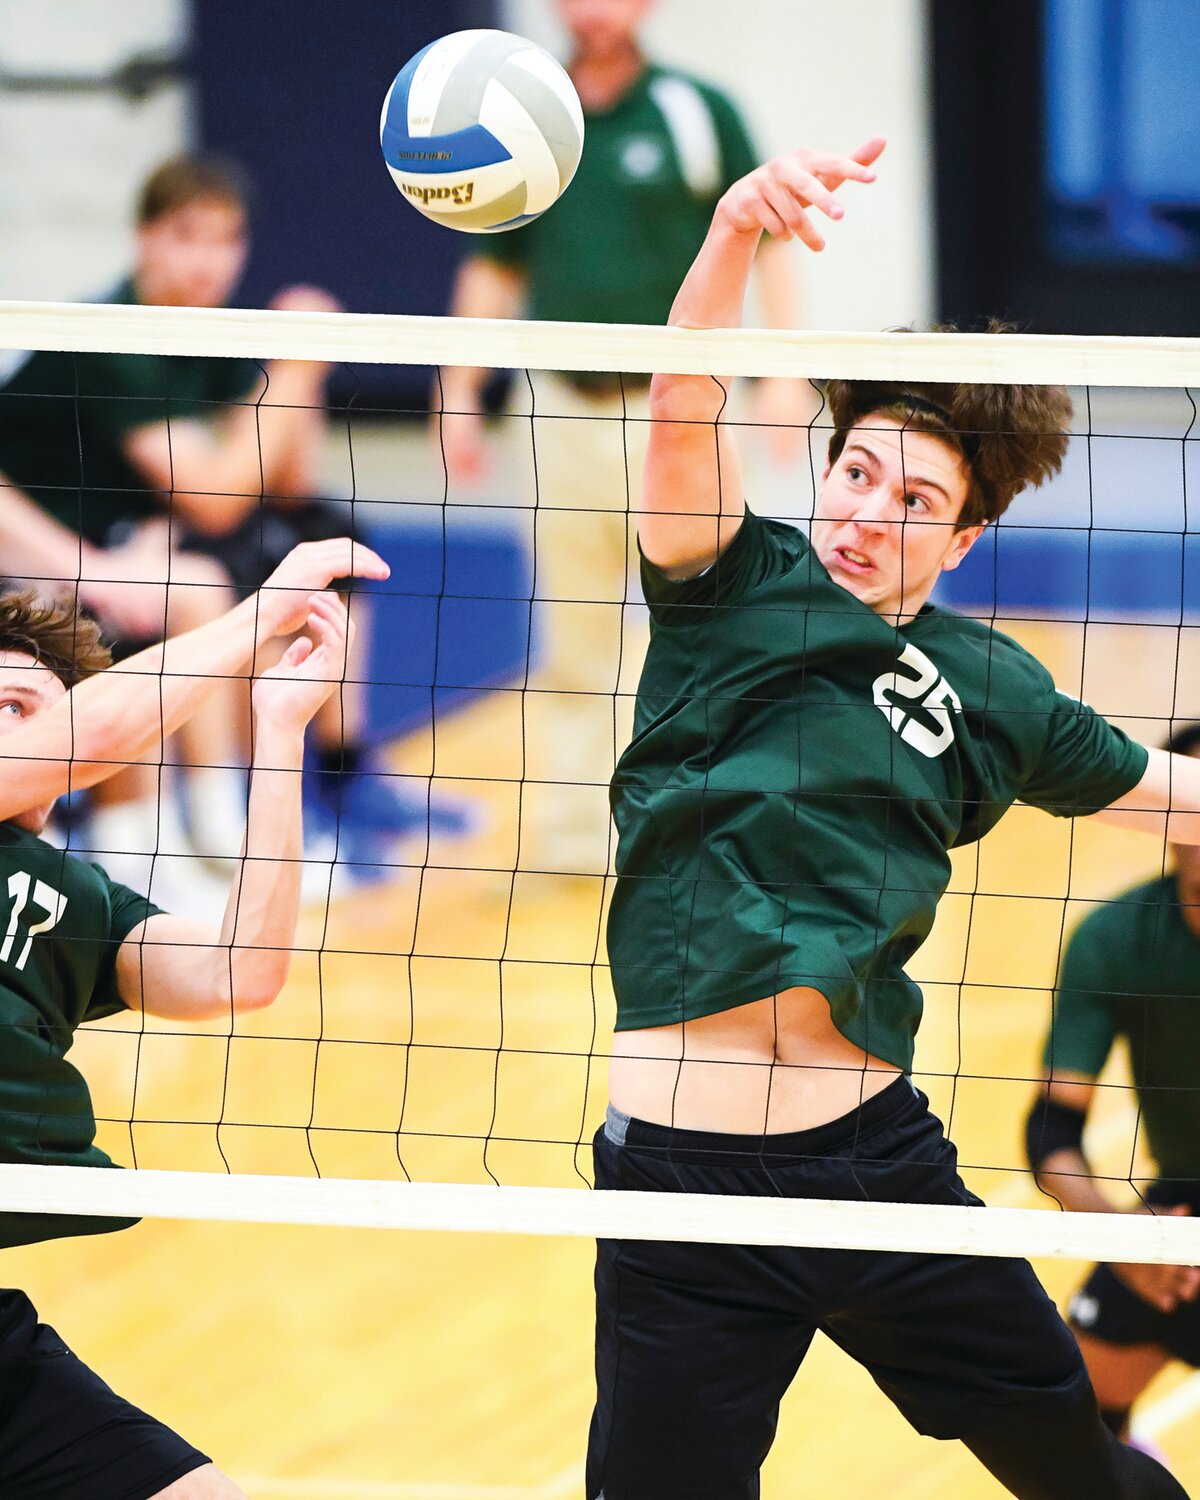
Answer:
[(1043, 166)]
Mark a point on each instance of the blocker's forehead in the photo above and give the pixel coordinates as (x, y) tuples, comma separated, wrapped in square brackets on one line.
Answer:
[(910, 451), (24, 673)]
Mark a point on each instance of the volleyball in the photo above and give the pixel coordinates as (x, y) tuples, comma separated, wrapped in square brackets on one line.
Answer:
[(482, 131)]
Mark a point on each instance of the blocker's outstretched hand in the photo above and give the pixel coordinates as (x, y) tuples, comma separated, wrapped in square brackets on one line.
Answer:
[(283, 601), (778, 195), (290, 692)]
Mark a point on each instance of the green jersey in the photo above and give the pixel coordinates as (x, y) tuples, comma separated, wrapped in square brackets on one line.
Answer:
[(800, 769), (619, 242), (64, 419), (1132, 969), (64, 922)]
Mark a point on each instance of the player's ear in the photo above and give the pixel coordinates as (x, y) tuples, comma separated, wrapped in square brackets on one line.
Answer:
[(963, 542)]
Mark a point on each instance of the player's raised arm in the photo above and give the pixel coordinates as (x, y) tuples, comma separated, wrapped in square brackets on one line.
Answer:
[(692, 502), (177, 967), (118, 716), (1165, 802)]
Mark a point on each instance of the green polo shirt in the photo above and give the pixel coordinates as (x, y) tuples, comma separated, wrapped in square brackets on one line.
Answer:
[(63, 922), (800, 770), (64, 419), (1132, 969), (617, 245)]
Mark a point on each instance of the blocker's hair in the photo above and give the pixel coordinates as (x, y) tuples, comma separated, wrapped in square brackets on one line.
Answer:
[(1009, 436), (54, 633)]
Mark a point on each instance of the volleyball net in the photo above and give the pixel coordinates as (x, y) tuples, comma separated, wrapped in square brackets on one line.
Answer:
[(438, 1059)]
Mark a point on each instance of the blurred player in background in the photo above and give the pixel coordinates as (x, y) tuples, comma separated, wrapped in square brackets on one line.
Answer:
[(1130, 970), (813, 737), (80, 946), (659, 150), (126, 466)]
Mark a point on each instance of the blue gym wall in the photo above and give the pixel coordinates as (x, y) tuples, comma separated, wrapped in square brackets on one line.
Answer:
[(293, 91)]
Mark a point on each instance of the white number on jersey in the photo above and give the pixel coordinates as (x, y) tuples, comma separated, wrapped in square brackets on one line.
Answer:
[(52, 902), (927, 689)]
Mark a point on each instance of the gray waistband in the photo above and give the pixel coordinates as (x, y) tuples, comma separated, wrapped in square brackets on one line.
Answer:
[(616, 1125)]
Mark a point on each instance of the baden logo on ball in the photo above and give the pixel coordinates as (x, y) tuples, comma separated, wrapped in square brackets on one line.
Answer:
[(482, 131)]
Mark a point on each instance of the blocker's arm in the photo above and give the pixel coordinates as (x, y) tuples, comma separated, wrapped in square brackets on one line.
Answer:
[(176, 967), (118, 716), (1166, 801), (692, 501)]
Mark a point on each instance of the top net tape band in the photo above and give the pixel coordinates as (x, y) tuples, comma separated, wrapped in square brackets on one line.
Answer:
[(376, 338)]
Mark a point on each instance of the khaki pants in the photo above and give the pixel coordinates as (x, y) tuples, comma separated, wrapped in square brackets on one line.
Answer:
[(590, 631)]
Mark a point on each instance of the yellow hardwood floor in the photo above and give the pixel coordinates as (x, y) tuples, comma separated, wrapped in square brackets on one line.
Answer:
[(455, 1024)]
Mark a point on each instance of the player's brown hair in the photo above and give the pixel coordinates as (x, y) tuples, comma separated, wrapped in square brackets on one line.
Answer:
[(1009, 436), (189, 179), (54, 633)]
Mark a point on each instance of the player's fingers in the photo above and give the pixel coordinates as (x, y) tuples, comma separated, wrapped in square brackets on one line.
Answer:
[(783, 205), (834, 170), (769, 217), (869, 152), (353, 559), (809, 189), (807, 231), (328, 621), (327, 603), (298, 652)]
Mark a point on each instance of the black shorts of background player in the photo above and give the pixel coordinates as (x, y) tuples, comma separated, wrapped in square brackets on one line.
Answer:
[(80, 947), (1131, 970), (812, 737)]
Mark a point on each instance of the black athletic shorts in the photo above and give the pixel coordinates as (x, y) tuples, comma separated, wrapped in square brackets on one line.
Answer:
[(253, 552), (696, 1344), (64, 1434), (1105, 1308)]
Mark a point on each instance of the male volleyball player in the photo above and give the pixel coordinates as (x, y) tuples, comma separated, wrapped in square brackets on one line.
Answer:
[(78, 947), (1131, 969), (812, 738)]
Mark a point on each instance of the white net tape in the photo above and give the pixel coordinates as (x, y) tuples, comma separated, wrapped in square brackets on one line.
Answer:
[(698, 1217), (370, 338)]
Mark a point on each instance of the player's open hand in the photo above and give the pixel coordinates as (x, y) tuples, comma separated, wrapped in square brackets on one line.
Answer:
[(290, 692), (778, 195), (283, 601), (1164, 1287)]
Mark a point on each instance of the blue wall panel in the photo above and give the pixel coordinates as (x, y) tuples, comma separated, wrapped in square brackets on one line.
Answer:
[(294, 91)]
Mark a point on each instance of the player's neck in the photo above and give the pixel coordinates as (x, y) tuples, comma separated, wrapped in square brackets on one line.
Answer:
[(602, 79)]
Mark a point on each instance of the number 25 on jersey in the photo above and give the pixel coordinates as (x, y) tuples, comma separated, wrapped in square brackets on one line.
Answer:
[(926, 691)]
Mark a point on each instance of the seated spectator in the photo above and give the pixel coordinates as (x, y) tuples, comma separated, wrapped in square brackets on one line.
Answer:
[(200, 470)]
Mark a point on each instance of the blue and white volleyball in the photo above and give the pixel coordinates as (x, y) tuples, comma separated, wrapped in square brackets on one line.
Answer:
[(482, 131)]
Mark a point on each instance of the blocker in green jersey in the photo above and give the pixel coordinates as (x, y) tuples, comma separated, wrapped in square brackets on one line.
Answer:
[(1130, 972), (812, 738), (78, 947)]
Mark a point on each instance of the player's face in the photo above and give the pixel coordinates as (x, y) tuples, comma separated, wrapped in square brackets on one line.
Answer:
[(26, 688), (885, 520), (602, 26), (192, 256)]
